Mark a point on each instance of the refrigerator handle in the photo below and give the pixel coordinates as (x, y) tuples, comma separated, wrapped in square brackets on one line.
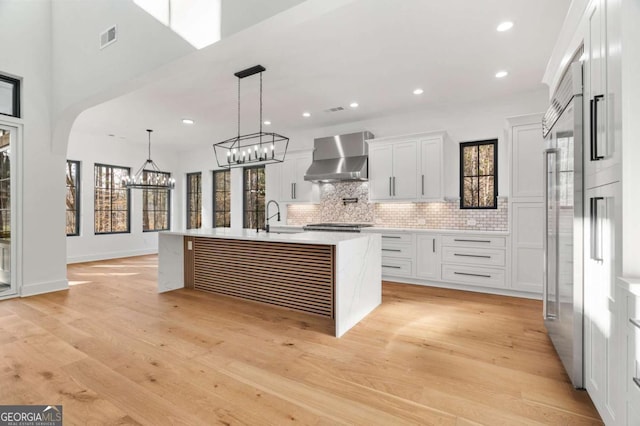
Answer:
[(593, 112), (596, 228), (545, 281)]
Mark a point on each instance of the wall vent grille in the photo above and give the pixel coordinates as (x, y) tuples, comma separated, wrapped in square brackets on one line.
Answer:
[(108, 37)]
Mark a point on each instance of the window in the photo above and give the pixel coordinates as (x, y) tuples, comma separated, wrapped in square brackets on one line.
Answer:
[(156, 203), (9, 96), (221, 198), (111, 200), (194, 200), (479, 174), (253, 210), (73, 198)]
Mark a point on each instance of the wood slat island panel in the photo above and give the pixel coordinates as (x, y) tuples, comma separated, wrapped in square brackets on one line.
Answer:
[(294, 276)]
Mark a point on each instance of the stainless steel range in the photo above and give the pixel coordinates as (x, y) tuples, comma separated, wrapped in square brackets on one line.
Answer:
[(336, 227)]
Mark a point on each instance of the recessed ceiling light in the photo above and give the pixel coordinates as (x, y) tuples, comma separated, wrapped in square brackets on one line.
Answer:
[(187, 121), (306, 114), (505, 26), (418, 91), (266, 123), (501, 74), (354, 105)]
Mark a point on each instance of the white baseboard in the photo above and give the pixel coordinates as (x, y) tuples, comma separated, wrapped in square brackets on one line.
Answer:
[(44, 287), (452, 286), (113, 255)]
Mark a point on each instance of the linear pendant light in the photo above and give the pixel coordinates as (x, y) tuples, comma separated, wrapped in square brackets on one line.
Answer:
[(149, 175), (252, 148)]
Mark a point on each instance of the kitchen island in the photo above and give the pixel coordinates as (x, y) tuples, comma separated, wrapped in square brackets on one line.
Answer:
[(332, 274)]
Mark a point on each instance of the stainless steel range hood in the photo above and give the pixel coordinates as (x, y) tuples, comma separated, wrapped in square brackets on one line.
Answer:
[(340, 158)]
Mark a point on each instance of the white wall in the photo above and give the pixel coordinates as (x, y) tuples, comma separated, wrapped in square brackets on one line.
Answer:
[(25, 35), (463, 123), (91, 149), (240, 14)]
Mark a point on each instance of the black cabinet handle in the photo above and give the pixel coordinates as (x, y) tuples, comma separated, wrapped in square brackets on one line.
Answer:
[(596, 228), (472, 255), (391, 236), (391, 250), (471, 241), (473, 275), (433, 244), (593, 110), (391, 266)]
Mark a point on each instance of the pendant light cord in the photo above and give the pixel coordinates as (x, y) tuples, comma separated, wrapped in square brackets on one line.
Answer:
[(238, 108), (149, 146), (260, 108)]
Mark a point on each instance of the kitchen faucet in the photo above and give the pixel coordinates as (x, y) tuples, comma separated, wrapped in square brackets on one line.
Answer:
[(267, 213)]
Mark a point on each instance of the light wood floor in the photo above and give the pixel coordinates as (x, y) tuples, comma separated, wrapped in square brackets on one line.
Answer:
[(113, 351)]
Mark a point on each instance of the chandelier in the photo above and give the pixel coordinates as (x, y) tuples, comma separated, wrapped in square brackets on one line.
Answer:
[(149, 175), (260, 147)]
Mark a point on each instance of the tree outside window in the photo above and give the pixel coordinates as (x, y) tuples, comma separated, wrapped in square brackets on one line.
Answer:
[(156, 207), (479, 175), (73, 198), (221, 198), (254, 188), (111, 200), (194, 200)]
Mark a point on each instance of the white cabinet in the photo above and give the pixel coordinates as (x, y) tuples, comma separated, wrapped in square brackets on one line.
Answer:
[(430, 178), (526, 202), (285, 181), (427, 256), (407, 168), (601, 83), (475, 260), (398, 254), (604, 362), (393, 170)]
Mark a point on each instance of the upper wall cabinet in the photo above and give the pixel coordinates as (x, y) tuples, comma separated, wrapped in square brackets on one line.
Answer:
[(602, 106), (286, 181), (406, 168), (527, 146)]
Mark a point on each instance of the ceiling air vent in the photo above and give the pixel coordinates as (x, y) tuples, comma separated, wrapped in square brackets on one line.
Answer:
[(108, 37), (336, 109)]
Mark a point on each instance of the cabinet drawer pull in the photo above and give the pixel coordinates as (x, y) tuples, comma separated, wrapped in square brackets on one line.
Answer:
[(391, 236), (636, 380), (396, 250), (471, 241), (635, 322), (472, 275), (472, 255), (391, 266)]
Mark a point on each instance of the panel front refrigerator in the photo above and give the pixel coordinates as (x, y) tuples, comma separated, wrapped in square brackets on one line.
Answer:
[(563, 277)]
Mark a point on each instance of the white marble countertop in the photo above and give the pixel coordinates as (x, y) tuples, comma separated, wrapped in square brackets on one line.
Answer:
[(631, 284), (327, 238)]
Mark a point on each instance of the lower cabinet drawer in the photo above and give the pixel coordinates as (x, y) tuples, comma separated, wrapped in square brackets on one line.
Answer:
[(396, 267), (399, 250), (473, 256), (484, 277)]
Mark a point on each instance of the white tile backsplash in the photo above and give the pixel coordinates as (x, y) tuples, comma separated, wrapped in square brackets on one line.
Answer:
[(434, 215)]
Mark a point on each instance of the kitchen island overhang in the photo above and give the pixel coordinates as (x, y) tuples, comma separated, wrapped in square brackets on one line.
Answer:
[(333, 274)]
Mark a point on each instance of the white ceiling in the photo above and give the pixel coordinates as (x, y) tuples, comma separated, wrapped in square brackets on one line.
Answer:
[(374, 52)]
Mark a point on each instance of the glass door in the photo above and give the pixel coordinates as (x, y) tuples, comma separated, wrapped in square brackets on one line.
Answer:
[(7, 202)]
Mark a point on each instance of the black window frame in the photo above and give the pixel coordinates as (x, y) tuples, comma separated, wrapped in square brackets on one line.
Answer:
[(128, 191), (145, 194), (189, 191), (227, 211), (477, 144), (78, 197), (15, 97), (244, 197)]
